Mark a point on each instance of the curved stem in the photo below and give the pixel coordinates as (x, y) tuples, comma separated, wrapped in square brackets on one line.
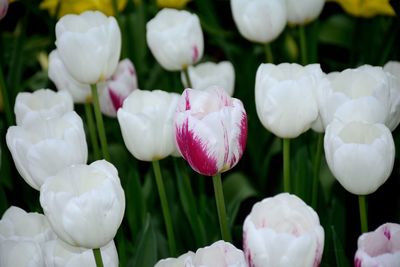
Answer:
[(268, 53), (99, 122), (187, 77), (97, 257), (219, 199), (317, 166), (92, 130), (303, 45), (165, 208), (286, 164), (363, 213)]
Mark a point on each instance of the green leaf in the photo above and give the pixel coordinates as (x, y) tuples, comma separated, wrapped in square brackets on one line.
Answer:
[(341, 259), (337, 30)]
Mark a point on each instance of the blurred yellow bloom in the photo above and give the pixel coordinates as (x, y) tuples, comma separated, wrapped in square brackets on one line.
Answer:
[(366, 8), (79, 6), (172, 3)]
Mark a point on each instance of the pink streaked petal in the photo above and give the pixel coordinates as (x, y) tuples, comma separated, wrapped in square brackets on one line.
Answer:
[(194, 151), (195, 54), (116, 99)]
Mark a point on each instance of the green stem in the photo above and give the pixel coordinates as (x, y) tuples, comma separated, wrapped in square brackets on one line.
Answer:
[(99, 122), (219, 198), (268, 53), (92, 130), (316, 169), (97, 257), (6, 102), (363, 213), (286, 165), (187, 77), (303, 45), (165, 208)]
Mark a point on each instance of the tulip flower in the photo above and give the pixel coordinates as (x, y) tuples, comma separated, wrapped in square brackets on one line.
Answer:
[(175, 38), (20, 254), (43, 103), (77, 7), (3, 8), (207, 74), (89, 45), (117, 88), (379, 248), (146, 121), (182, 261), (360, 155), (84, 204), (259, 20), (367, 8), (172, 3), (365, 83), (56, 253), (40, 148), (210, 130), (286, 97), (282, 231), (302, 12), (392, 69)]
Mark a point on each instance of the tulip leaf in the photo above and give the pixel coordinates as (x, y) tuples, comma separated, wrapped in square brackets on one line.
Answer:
[(337, 30), (146, 246), (341, 259), (135, 206), (237, 188)]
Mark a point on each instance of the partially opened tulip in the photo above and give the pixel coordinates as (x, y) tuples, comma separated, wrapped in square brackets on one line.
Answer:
[(282, 231), (43, 103), (56, 253), (84, 204), (146, 121), (392, 68), (40, 148), (89, 45), (360, 155), (182, 261), (219, 254), (20, 254), (207, 74), (175, 38), (379, 248), (302, 12), (259, 20)]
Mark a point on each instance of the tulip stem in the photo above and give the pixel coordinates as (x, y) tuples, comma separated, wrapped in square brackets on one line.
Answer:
[(187, 77), (92, 130), (165, 208), (268, 53), (303, 45), (286, 165), (97, 257), (99, 122), (363, 213), (317, 167), (6, 103), (219, 198)]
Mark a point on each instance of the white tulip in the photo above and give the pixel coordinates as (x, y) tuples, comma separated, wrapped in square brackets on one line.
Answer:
[(185, 260), (207, 74), (304, 11), (89, 45), (20, 254), (259, 20), (40, 148), (146, 121), (360, 155), (63, 80), (282, 231), (56, 253), (18, 225), (286, 99), (43, 103), (219, 254), (84, 204), (392, 68), (175, 38), (363, 84)]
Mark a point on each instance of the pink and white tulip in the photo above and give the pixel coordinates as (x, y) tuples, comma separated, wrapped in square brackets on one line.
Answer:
[(283, 231), (379, 248), (210, 130)]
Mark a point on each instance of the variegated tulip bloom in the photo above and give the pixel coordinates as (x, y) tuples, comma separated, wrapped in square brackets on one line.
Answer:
[(210, 130)]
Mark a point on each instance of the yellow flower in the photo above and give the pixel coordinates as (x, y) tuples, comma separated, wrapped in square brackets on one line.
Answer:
[(79, 6), (172, 3), (366, 8)]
